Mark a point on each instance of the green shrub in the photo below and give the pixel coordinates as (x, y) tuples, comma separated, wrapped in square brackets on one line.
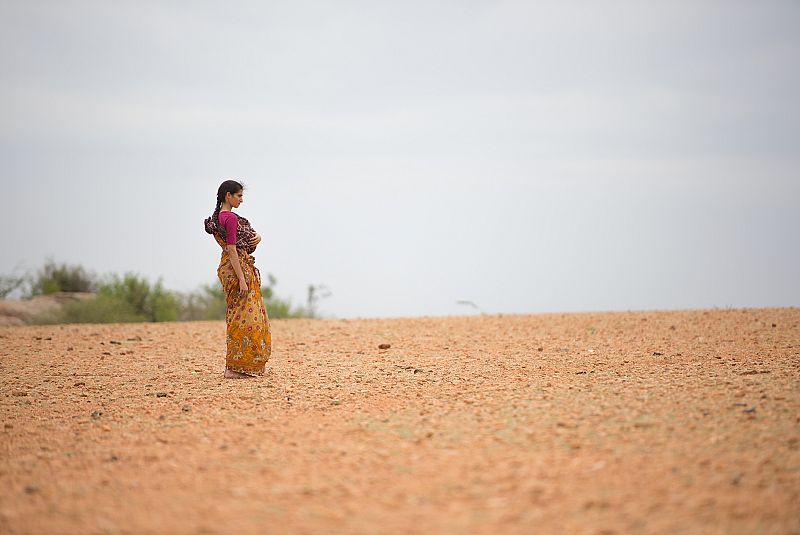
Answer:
[(207, 303), (278, 308), (10, 283), (151, 302), (132, 298), (54, 278), (100, 309)]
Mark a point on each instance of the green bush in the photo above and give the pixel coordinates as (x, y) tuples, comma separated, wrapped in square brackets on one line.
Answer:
[(100, 309), (132, 298), (150, 302), (129, 298), (10, 283), (278, 308), (207, 303), (54, 278)]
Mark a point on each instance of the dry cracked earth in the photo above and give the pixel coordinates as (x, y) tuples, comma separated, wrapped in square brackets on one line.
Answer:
[(630, 422)]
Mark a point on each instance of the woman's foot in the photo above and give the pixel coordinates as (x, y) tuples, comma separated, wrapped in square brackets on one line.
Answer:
[(230, 374)]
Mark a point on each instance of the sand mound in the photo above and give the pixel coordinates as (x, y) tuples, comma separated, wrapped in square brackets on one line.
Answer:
[(22, 311)]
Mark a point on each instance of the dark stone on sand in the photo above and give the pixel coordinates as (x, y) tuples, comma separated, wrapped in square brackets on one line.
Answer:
[(161, 394), (98, 413), (384, 346)]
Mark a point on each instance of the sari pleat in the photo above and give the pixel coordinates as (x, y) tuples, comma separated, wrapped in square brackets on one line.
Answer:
[(248, 336)]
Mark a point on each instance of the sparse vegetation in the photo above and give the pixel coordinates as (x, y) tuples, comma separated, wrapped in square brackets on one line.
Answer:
[(132, 298), (10, 283), (55, 277)]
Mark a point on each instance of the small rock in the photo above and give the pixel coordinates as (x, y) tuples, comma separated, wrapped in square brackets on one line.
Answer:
[(657, 354), (30, 489), (80, 383), (106, 353), (751, 410), (539, 349), (384, 346), (336, 402), (161, 394), (186, 408), (115, 342), (8, 426), (19, 393), (97, 414)]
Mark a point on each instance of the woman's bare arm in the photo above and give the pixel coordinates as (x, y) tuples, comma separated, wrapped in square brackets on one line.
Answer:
[(237, 268)]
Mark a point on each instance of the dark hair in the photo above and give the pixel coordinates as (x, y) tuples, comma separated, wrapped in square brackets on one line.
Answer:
[(229, 186)]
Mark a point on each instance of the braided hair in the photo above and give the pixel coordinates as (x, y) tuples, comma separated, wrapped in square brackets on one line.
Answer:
[(229, 186)]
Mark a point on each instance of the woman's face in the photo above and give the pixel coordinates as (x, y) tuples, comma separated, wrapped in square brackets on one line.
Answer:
[(235, 199)]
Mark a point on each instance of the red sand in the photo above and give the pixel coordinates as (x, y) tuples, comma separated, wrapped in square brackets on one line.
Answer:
[(652, 422)]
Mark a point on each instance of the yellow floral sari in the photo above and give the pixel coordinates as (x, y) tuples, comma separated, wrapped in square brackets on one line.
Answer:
[(248, 337)]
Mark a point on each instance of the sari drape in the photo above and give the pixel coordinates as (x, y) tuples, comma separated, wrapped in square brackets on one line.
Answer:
[(248, 334)]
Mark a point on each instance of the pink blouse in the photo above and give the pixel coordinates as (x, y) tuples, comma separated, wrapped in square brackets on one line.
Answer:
[(228, 221)]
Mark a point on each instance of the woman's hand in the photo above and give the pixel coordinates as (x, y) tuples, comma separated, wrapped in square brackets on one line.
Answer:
[(243, 289), (255, 240)]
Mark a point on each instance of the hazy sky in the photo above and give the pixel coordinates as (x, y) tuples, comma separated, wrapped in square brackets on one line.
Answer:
[(527, 156)]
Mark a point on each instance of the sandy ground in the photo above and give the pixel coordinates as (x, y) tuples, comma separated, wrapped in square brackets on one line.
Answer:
[(658, 422)]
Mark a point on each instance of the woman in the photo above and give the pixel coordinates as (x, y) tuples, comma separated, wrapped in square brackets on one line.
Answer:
[(248, 331)]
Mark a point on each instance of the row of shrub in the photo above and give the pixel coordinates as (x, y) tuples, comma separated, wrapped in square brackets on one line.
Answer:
[(133, 298)]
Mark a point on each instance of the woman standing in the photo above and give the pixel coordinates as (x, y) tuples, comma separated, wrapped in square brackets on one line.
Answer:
[(248, 331)]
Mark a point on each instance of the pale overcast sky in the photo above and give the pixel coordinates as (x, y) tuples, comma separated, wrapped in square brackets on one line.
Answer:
[(526, 156)]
